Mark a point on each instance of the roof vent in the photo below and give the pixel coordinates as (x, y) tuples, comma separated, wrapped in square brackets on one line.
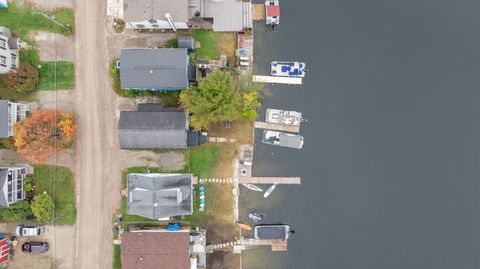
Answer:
[(155, 204), (140, 258), (151, 71)]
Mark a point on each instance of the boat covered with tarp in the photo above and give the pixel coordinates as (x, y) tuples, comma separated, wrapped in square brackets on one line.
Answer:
[(288, 69), (282, 139)]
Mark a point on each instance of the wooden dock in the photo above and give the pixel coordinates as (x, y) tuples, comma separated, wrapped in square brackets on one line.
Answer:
[(277, 245), (276, 127), (258, 12), (270, 180), (280, 80)]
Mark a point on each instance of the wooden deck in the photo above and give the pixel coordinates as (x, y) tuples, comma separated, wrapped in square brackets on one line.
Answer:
[(258, 12), (280, 80), (270, 180), (276, 127)]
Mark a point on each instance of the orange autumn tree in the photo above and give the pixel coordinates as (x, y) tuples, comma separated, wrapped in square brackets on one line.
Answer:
[(37, 136)]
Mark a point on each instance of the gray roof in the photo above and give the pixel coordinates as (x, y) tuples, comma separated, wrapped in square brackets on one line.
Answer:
[(185, 41), (142, 10), (3, 118), (228, 15), (13, 43), (3, 179), (154, 68), (153, 130), (157, 196), (291, 141)]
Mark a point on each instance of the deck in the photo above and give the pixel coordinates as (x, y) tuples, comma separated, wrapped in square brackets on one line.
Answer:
[(279, 80), (258, 12), (277, 127), (277, 245)]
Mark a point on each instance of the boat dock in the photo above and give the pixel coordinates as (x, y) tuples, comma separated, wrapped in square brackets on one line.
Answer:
[(250, 180), (270, 180), (276, 127), (244, 243), (280, 80), (258, 12)]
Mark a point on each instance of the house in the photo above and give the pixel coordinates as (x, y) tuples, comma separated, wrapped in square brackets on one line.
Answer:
[(159, 196), (11, 182), (157, 248), (154, 69), (10, 113), (156, 127), (9, 51), (219, 15), (155, 14)]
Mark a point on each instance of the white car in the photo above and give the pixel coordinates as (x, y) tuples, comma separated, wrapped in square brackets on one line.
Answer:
[(29, 230)]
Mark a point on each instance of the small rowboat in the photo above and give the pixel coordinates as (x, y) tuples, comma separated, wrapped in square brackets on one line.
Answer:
[(270, 190), (244, 226), (255, 217), (252, 187)]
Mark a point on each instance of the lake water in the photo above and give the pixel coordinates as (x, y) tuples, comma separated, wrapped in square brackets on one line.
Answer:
[(391, 163)]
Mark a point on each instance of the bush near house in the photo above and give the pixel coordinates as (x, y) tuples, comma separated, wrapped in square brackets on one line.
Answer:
[(42, 207), (40, 134), (24, 80), (16, 212)]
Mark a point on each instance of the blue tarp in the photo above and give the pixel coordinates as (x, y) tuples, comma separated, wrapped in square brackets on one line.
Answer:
[(3, 4)]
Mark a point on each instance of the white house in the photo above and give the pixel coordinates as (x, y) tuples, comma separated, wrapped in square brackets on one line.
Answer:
[(9, 50), (10, 113), (11, 182)]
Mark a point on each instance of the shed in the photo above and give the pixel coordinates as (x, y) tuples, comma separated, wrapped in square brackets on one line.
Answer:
[(186, 42)]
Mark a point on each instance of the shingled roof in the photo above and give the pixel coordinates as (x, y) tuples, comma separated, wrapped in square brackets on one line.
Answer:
[(153, 129), (158, 196), (142, 10), (157, 69), (152, 250)]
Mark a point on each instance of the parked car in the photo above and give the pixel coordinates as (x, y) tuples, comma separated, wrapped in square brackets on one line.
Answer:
[(35, 247), (29, 230)]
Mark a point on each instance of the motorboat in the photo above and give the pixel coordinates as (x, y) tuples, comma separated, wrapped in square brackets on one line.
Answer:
[(288, 69), (285, 117), (282, 139), (272, 13)]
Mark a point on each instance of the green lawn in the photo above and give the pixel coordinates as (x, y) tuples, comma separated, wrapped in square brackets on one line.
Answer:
[(208, 43), (62, 72), (203, 160), (21, 21), (65, 211)]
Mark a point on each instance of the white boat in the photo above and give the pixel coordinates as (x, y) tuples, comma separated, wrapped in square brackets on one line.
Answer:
[(272, 12), (285, 117), (270, 190), (252, 187), (282, 139), (288, 69)]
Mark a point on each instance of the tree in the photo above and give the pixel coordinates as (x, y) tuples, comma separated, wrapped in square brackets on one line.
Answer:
[(42, 207), (215, 99), (42, 133), (17, 211), (22, 80)]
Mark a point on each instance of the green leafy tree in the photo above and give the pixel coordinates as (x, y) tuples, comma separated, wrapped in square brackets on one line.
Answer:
[(42, 207), (214, 100), (17, 211)]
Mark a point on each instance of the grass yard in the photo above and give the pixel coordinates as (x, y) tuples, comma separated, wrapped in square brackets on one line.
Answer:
[(65, 210), (64, 72), (203, 160), (212, 44), (21, 21)]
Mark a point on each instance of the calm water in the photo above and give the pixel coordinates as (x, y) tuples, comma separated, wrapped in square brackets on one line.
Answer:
[(391, 162)]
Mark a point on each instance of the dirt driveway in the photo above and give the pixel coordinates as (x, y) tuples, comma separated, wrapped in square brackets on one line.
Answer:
[(55, 47), (61, 241)]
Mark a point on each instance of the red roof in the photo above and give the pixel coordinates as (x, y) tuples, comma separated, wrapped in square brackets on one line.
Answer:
[(273, 11), (152, 250), (4, 251)]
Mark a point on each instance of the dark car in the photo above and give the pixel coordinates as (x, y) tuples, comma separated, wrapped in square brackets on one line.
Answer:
[(35, 247)]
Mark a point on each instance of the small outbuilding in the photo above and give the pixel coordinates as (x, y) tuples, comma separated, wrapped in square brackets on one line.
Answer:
[(186, 42)]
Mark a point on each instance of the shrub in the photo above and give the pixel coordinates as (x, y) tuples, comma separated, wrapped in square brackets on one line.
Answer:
[(23, 80), (17, 211), (42, 207), (27, 187)]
